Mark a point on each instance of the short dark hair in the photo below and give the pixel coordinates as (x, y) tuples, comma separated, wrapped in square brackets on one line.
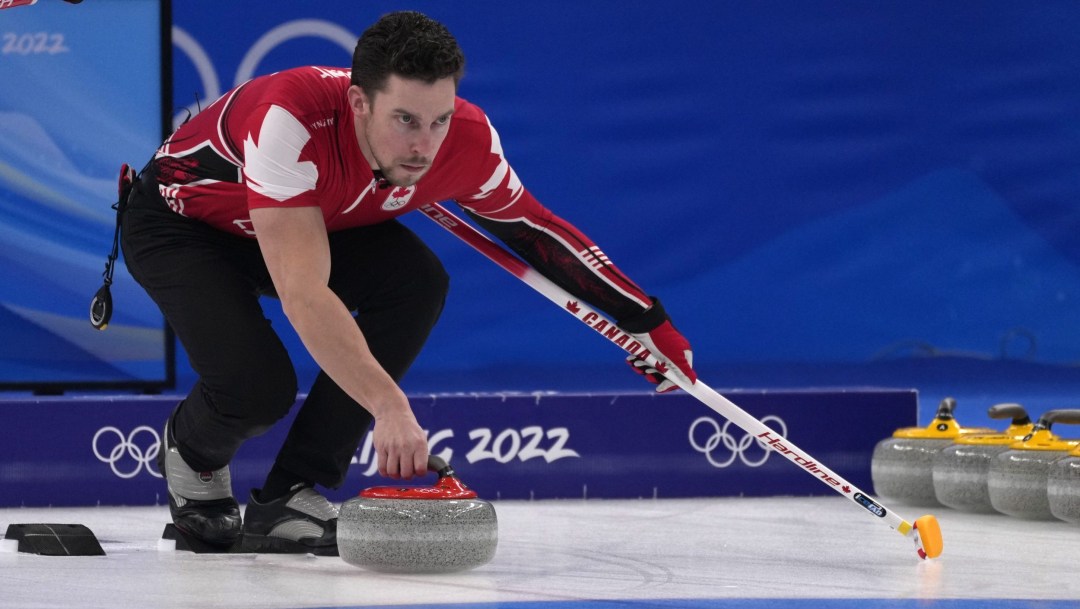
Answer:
[(409, 44)]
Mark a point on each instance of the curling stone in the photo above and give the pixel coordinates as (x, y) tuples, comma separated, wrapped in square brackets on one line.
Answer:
[(1063, 487), (1017, 480), (422, 529), (960, 469), (902, 466)]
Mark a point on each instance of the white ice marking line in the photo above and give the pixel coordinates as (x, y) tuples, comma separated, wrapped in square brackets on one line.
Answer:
[(61, 542)]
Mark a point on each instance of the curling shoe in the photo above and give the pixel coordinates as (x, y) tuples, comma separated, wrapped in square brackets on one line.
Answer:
[(303, 521), (201, 503)]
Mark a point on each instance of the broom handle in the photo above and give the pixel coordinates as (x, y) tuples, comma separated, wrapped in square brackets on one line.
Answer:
[(724, 407)]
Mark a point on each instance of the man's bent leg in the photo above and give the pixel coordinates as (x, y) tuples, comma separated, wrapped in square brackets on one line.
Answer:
[(205, 283)]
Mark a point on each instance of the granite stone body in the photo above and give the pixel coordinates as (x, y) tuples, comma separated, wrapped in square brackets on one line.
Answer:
[(902, 469), (417, 535), (960, 474), (1017, 482), (1063, 489)]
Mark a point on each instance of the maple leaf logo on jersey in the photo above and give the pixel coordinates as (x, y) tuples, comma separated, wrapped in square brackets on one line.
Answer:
[(273, 166), (398, 198)]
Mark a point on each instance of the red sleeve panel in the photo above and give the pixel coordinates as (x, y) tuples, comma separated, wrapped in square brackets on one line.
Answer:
[(564, 255)]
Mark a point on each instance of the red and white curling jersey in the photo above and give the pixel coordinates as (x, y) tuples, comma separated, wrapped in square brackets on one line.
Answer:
[(288, 140)]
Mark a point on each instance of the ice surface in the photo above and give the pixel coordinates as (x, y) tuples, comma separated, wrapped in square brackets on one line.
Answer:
[(573, 551)]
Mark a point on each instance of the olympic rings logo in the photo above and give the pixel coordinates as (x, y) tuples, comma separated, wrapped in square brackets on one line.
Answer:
[(298, 28), (126, 450), (733, 448)]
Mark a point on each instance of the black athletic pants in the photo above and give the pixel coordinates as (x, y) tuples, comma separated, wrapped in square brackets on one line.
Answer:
[(207, 283)]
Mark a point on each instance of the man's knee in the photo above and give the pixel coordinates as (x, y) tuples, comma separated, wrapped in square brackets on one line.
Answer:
[(256, 399), (269, 400), (433, 278), (417, 287)]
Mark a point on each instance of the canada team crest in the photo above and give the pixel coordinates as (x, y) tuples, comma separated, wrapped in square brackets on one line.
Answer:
[(399, 197)]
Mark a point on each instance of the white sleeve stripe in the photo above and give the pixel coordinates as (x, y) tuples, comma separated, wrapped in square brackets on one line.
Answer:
[(501, 170), (596, 258), (496, 178), (513, 200), (221, 130), (496, 143)]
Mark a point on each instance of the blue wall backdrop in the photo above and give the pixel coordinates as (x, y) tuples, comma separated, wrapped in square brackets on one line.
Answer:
[(79, 94), (811, 188), (846, 183)]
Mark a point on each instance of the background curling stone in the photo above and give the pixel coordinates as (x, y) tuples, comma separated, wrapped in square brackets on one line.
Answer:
[(1063, 487), (960, 469), (436, 529), (902, 466), (1017, 480)]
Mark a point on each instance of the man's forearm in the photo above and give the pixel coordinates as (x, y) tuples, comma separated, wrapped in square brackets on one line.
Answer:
[(333, 339)]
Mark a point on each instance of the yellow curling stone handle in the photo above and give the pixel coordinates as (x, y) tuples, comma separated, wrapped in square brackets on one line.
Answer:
[(1041, 436), (943, 427)]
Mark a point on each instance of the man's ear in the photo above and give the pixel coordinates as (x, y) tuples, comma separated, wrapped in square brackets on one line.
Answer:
[(359, 101)]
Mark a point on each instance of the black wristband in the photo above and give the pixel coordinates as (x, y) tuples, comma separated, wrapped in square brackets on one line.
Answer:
[(646, 321)]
